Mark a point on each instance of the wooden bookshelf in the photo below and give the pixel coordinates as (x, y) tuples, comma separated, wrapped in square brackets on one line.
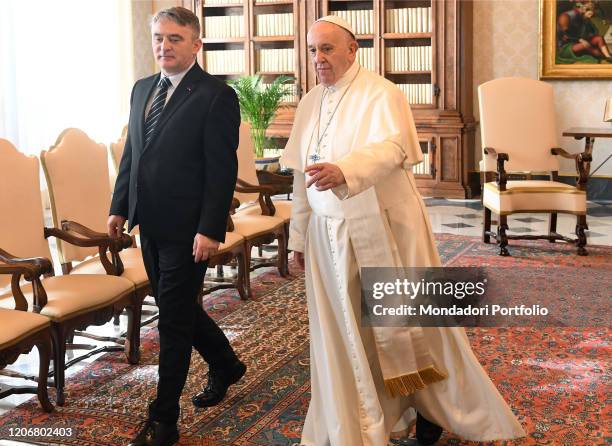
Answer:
[(206, 40), (270, 42), (436, 78), (439, 89), (407, 36), (273, 38), (279, 2), (222, 5), (406, 72)]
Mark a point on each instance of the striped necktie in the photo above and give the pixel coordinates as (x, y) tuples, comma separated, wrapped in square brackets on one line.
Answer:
[(157, 106)]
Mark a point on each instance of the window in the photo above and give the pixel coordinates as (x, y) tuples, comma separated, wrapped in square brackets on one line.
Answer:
[(65, 63)]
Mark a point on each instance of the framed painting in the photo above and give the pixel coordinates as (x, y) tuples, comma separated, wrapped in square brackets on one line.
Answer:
[(575, 39)]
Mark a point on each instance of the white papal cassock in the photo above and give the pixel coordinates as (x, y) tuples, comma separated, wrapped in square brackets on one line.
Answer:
[(372, 138)]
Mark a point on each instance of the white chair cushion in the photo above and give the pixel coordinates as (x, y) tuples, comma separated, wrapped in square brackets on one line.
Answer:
[(17, 325), (232, 239), (250, 226), (534, 196), (283, 209), (134, 269), (69, 296)]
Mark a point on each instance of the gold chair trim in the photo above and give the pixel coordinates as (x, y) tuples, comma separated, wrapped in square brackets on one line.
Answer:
[(534, 211), (534, 190)]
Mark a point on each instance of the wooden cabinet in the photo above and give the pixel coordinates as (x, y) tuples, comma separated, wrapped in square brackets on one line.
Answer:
[(423, 46)]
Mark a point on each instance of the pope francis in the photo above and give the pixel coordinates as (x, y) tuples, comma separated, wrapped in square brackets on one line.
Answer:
[(352, 147)]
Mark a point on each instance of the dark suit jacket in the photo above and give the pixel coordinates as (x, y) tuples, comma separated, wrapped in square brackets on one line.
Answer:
[(183, 181)]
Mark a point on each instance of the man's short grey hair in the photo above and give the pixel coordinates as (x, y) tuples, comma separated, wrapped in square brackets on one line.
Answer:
[(180, 16)]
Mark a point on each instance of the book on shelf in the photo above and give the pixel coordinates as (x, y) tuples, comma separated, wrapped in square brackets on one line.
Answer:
[(224, 61), (222, 2), (417, 94), (408, 58), (408, 20), (365, 58), (221, 27), (361, 20), (276, 60), (274, 24), (423, 168)]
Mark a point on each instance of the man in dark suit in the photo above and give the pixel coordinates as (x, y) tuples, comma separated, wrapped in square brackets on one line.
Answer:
[(176, 180)]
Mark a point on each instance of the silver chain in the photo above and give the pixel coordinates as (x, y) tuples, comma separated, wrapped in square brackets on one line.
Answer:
[(320, 136)]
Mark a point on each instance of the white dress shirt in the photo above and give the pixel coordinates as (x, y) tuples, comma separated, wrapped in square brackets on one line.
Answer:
[(175, 79)]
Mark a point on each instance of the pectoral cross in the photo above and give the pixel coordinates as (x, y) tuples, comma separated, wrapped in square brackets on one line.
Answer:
[(315, 158)]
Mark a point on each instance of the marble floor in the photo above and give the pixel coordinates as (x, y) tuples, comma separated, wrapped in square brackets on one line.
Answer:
[(462, 217)]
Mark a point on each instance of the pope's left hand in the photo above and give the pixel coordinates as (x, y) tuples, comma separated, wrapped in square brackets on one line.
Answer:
[(324, 176)]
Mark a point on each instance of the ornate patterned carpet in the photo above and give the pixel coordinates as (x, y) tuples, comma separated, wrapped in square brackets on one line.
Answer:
[(556, 380)]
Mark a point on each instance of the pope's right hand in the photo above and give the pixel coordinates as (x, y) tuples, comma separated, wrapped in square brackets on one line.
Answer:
[(115, 225), (299, 258)]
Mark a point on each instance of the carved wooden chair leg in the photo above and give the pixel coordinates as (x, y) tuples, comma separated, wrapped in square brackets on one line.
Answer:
[(283, 258), (581, 226), (552, 226), (502, 237), (242, 279), (58, 334), (44, 347), (486, 228), (248, 248), (132, 340)]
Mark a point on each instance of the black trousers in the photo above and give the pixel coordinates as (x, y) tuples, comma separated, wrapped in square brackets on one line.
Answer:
[(183, 324)]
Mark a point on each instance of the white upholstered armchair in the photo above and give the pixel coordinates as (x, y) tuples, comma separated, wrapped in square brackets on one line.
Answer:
[(519, 137)]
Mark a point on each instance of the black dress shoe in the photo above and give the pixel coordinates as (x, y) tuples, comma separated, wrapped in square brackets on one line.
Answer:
[(217, 385), (155, 433), (427, 433)]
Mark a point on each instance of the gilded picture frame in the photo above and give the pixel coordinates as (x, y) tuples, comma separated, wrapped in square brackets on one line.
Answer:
[(575, 39)]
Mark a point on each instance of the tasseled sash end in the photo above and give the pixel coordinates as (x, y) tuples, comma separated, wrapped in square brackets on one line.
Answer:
[(406, 385)]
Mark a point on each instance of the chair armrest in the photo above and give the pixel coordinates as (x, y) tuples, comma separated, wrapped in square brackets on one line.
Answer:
[(265, 192), (582, 161), (41, 264), (273, 177), (73, 226), (31, 269), (79, 235), (282, 184), (246, 187), (584, 156), (562, 152), (229, 227), (125, 241), (235, 205), (489, 151), (501, 174)]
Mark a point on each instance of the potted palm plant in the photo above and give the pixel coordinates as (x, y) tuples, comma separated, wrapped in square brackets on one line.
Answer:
[(258, 104)]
